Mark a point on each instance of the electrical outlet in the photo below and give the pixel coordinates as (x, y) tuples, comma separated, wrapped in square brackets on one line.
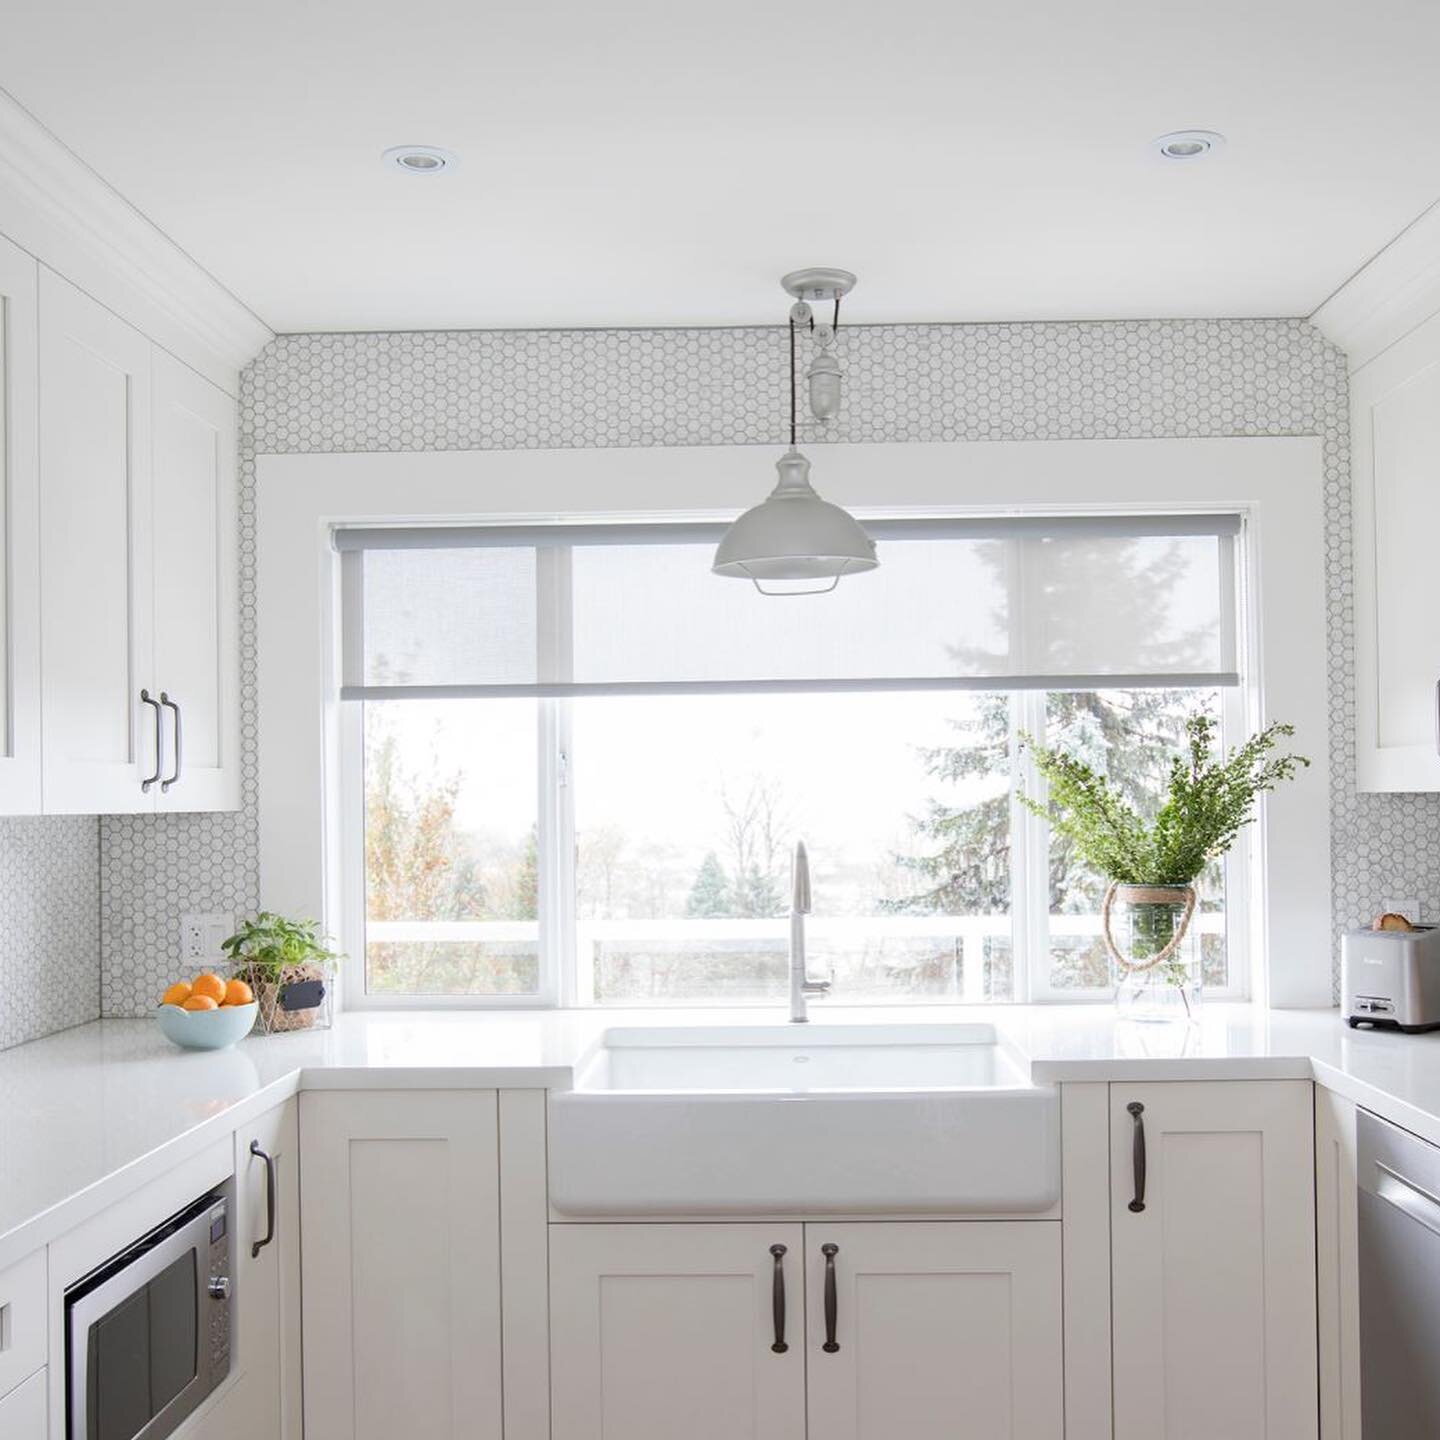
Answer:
[(1410, 909), (201, 937)]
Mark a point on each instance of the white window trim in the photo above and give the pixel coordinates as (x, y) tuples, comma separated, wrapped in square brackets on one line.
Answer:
[(1276, 482)]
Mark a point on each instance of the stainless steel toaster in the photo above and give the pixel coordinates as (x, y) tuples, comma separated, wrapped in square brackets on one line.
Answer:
[(1391, 978)]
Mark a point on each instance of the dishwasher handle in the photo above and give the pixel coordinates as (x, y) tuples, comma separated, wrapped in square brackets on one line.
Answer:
[(1408, 1197)]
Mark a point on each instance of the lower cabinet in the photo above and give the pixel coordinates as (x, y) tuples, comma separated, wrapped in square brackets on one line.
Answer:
[(1337, 1233), (940, 1331), (23, 1411), (738, 1331), (266, 1259), (400, 1216), (1213, 1261)]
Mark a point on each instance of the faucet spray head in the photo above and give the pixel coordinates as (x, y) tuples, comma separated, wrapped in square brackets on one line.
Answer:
[(800, 880)]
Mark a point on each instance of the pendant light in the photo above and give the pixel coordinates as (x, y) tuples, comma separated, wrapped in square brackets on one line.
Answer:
[(794, 538)]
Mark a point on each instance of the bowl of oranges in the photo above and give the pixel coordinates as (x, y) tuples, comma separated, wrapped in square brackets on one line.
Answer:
[(208, 1012)]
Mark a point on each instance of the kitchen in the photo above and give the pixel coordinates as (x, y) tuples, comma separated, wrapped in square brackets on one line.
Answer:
[(372, 560)]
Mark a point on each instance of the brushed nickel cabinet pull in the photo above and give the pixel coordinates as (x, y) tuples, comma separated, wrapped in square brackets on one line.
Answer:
[(147, 699), (169, 704)]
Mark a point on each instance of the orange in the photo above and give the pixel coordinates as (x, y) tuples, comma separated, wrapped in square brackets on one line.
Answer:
[(177, 994), (237, 992), (210, 985), (201, 1002)]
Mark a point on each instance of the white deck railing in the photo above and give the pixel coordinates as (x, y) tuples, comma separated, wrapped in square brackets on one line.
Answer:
[(968, 933)]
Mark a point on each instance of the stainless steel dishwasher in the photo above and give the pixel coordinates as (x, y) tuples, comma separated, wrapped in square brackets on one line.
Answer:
[(1399, 1282)]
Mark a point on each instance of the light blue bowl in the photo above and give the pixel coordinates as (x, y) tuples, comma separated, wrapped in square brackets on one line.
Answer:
[(206, 1029)]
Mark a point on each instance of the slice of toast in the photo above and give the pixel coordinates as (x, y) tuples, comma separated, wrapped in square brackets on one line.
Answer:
[(1391, 921)]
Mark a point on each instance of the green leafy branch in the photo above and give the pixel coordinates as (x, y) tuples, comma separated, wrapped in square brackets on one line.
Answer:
[(272, 943), (1210, 800)]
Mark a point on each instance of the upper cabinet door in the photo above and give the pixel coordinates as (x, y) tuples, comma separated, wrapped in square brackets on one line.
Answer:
[(101, 739), (19, 537), (196, 589), (1395, 437), (941, 1330), (1212, 1203)]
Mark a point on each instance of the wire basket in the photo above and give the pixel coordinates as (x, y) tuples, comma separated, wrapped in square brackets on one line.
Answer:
[(297, 997)]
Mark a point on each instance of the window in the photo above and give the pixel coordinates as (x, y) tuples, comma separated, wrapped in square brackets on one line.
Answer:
[(586, 760)]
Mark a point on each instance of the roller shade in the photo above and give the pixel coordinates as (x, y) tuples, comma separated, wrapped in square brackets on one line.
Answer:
[(1048, 602)]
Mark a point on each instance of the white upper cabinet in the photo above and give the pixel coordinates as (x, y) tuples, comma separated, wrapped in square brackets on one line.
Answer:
[(102, 740), (1395, 439), (196, 588), (137, 559), (1212, 1206), (19, 537)]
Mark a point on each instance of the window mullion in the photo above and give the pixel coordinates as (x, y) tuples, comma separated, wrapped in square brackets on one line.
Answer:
[(555, 826)]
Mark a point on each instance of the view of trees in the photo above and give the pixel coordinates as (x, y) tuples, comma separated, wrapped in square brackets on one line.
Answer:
[(955, 860), (420, 866), (1128, 736)]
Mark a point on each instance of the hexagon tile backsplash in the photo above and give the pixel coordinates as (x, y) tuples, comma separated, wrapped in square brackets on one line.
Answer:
[(49, 925), (531, 389)]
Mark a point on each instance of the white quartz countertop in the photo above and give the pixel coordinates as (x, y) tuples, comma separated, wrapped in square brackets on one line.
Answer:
[(91, 1113)]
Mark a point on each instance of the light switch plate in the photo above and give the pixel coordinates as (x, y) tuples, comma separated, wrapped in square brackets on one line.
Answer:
[(201, 937)]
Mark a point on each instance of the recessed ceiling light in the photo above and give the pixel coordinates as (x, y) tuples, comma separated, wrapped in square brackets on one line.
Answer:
[(420, 159), (1188, 144)]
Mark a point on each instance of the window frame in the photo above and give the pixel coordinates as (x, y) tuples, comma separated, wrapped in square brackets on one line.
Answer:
[(566, 976), (308, 835)]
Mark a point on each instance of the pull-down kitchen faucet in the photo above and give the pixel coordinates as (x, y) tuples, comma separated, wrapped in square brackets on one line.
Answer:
[(801, 985)]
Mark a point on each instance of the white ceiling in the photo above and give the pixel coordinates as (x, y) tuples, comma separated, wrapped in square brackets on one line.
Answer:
[(663, 161)]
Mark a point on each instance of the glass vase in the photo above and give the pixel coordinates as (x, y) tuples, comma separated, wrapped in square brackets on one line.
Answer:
[(1154, 948)]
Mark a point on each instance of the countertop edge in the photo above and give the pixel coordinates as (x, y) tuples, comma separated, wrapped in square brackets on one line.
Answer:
[(308, 1074)]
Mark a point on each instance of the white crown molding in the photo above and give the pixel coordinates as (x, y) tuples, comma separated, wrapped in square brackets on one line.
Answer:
[(1396, 291), (55, 206)]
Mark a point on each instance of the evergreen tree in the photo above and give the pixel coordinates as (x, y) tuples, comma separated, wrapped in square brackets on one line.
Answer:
[(710, 894), (964, 868)]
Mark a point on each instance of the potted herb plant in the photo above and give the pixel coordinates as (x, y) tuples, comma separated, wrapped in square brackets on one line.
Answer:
[(1152, 866), (289, 967)]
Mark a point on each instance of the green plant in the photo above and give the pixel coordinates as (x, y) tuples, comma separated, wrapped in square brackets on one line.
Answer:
[(269, 943), (1210, 799)]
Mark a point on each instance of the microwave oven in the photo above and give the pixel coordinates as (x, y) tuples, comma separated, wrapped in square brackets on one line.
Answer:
[(147, 1334)]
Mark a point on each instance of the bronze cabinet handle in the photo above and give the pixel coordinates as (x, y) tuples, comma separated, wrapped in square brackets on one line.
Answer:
[(1137, 1155), (777, 1299), (269, 1235), (832, 1299)]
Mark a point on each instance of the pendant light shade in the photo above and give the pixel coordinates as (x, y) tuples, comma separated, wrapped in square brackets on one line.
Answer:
[(793, 538), (794, 535)]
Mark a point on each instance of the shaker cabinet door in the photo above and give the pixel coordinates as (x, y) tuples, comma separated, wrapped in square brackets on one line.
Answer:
[(400, 1225), (1212, 1206), (668, 1332), (101, 738), (935, 1330), (196, 590), (19, 535), (1395, 430)]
